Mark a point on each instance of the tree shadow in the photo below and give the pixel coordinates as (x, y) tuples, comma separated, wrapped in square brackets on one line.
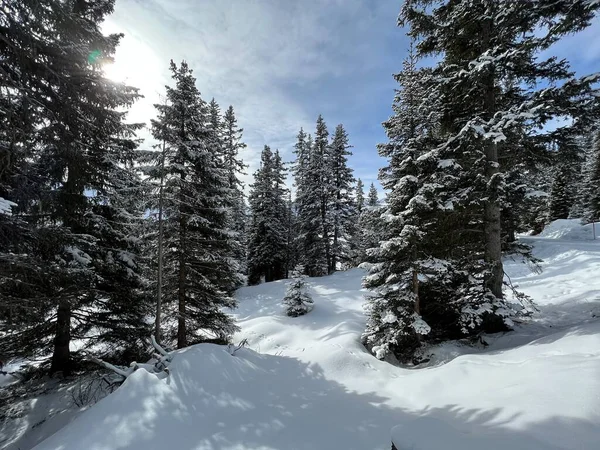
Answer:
[(213, 400), (456, 427)]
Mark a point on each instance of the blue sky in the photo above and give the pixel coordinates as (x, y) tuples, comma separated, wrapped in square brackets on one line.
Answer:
[(281, 63)]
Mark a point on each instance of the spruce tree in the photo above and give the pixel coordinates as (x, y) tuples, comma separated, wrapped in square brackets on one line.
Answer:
[(321, 181), (199, 279), (237, 216), (561, 199), (342, 209), (268, 230), (360, 195), (487, 106), (311, 244), (373, 197), (79, 219), (592, 181), (297, 301), (407, 222)]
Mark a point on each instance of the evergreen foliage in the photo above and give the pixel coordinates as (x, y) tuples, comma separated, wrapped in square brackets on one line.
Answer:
[(591, 180), (297, 300), (438, 274), (311, 243), (342, 208), (268, 229), (199, 273), (70, 262), (237, 214), (360, 195)]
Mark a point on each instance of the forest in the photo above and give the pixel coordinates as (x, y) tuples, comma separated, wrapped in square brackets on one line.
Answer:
[(108, 243)]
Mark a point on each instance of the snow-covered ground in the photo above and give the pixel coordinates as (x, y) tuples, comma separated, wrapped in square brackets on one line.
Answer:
[(307, 383)]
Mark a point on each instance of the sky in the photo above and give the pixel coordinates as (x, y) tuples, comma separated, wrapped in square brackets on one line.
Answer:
[(281, 63)]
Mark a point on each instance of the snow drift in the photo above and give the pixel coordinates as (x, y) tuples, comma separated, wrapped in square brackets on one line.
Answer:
[(307, 382)]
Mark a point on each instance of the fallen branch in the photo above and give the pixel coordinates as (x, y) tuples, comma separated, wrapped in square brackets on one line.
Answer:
[(159, 368), (115, 369)]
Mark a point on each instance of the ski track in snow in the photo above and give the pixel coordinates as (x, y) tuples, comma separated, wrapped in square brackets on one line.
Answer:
[(308, 383)]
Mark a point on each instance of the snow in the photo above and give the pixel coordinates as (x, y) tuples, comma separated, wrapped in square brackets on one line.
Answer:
[(307, 382), (569, 230), (6, 206)]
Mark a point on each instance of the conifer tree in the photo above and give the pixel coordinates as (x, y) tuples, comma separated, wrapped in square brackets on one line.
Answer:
[(267, 235), (79, 219), (311, 244), (373, 197), (232, 142), (561, 199), (400, 256), (592, 197), (199, 278), (297, 301), (360, 195), (322, 183), (342, 209), (455, 180)]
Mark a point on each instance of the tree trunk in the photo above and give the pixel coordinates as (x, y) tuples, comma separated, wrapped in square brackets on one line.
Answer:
[(160, 249), (491, 211), (511, 235), (336, 233), (492, 230), (181, 329), (325, 234), (61, 357), (415, 283)]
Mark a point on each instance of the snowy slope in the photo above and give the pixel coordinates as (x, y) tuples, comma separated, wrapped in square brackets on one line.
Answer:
[(307, 383)]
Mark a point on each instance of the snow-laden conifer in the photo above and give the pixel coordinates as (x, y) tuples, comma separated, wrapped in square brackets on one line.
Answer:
[(200, 275), (297, 300), (267, 231), (80, 199)]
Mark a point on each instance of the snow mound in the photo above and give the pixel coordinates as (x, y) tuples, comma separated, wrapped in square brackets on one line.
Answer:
[(308, 383), (426, 433), (569, 230)]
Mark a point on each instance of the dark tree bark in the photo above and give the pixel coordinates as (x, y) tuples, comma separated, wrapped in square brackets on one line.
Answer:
[(61, 357)]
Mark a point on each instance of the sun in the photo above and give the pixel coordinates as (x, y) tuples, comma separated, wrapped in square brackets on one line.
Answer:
[(115, 72)]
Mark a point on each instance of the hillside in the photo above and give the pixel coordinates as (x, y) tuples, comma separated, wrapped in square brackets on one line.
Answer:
[(307, 383)]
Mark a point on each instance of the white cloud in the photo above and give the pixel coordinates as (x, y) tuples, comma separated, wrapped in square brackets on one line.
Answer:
[(253, 54)]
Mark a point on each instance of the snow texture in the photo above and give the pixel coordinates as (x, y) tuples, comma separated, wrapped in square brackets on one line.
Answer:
[(307, 383), (6, 206)]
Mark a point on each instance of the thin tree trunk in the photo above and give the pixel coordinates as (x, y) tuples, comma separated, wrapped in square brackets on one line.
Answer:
[(336, 233), (325, 234), (61, 356), (181, 329), (181, 291), (491, 210), (160, 249), (415, 283)]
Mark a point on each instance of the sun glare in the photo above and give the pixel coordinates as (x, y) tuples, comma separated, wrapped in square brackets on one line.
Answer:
[(115, 72)]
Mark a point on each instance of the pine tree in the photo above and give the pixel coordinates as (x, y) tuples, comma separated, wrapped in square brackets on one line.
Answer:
[(79, 216), (321, 181), (592, 199), (342, 209), (561, 198), (373, 197), (297, 301), (267, 236), (568, 159), (199, 277), (360, 195), (458, 186), (395, 325), (308, 203), (232, 141)]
